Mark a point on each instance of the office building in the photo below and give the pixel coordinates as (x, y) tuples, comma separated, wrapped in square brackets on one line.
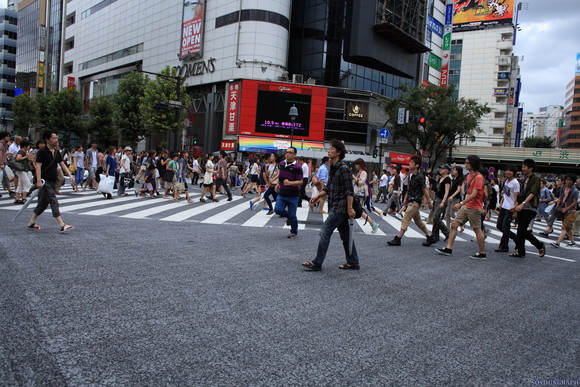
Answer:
[(545, 123), (31, 49), (569, 136), (8, 31)]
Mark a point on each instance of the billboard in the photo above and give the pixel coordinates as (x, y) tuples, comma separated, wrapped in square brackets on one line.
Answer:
[(477, 13), (192, 24), (265, 106), (261, 144), (578, 63)]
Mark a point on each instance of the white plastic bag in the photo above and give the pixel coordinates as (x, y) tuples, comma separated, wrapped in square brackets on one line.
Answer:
[(106, 184)]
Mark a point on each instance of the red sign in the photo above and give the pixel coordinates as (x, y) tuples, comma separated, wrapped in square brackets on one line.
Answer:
[(444, 74), (264, 110), (70, 83), (233, 108), (192, 29), (400, 158), (228, 145)]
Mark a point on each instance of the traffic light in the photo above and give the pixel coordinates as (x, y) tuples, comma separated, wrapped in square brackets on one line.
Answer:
[(195, 139), (418, 119), (375, 152)]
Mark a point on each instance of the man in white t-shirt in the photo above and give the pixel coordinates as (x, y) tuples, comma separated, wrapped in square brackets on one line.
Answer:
[(383, 184), (124, 170), (305, 176), (509, 195)]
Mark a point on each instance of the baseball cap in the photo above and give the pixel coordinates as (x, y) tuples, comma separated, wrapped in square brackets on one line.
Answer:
[(128, 148)]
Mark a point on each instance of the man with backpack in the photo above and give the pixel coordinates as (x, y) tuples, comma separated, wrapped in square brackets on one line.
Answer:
[(340, 193)]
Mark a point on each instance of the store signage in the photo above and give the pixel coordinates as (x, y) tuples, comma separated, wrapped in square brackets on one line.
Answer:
[(265, 144), (233, 107), (192, 26), (70, 83), (193, 69), (356, 111), (400, 158), (503, 75), (434, 61), (469, 14), (228, 145), (501, 91), (435, 26)]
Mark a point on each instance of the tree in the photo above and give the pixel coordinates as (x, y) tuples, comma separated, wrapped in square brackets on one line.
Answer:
[(446, 119), (25, 113), (66, 111), (100, 123), (539, 142), (158, 116), (127, 101), (42, 101)]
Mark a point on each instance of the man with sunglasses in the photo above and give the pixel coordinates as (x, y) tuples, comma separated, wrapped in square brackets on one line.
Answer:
[(288, 188)]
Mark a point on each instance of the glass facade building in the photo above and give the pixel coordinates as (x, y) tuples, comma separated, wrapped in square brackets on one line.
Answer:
[(31, 45), (54, 45), (8, 35)]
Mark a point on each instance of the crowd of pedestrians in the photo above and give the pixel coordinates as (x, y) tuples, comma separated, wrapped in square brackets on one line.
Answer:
[(454, 196)]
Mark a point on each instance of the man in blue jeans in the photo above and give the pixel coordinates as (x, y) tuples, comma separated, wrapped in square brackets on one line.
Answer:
[(340, 192), (288, 188)]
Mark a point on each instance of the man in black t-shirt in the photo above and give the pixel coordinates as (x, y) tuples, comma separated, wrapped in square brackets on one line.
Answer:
[(46, 163), (441, 195)]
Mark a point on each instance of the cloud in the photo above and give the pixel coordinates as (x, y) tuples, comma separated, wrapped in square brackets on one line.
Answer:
[(548, 43)]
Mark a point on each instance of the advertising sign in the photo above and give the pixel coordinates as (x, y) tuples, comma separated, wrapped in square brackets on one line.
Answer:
[(233, 108), (356, 111), (261, 144), (40, 82), (502, 75), (265, 107), (434, 61), (434, 26), (477, 13), (70, 83), (400, 158), (448, 14), (518, 89), (501, 91), (228, 145), (519, 128), (192, 24), (578, 63)]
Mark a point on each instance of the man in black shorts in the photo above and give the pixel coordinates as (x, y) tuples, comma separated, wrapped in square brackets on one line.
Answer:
[(45, 169)]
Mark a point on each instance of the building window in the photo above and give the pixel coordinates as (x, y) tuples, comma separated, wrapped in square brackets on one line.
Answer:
[(253, 15), (112, 56), (69, 44), (70, 19), (497, 130), (96, 8)]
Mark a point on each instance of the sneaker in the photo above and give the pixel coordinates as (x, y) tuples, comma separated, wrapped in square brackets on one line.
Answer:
[(555, 244), (292, 236), (570, 244), (270, 212), (251, 205), (545, 233), (136, 194), (478, 255), (430, 240), (230, 199), (395, 242), (444, 251), (375, 227), (501, 250)]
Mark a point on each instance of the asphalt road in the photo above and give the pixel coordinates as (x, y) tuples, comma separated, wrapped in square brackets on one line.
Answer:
[(126, 302)]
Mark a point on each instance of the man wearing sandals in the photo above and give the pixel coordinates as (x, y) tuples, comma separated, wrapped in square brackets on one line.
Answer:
[(340, 192), (47, 160)]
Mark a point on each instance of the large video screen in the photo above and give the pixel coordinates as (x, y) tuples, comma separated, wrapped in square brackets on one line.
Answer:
[(477, 13), (272, 113)]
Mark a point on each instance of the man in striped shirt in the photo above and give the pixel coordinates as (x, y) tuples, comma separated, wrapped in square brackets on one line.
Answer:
[(288, 188)]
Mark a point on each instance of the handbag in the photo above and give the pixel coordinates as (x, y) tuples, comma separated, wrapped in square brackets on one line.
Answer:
[(17, 166), (548, 210), (168, 176), (357, 207), (128, 181), (179, 186), (106, 184), (72, 167)]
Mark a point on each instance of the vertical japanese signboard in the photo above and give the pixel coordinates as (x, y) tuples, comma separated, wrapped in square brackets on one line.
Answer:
[(192, 26), (233, 108), (446, 44)]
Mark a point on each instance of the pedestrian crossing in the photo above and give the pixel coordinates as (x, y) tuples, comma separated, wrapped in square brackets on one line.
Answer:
[(236, 212)]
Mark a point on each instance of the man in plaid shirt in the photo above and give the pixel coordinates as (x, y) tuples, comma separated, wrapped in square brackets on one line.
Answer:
[(340, 194)]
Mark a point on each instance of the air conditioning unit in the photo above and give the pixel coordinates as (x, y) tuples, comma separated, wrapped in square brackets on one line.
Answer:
[(297, 78), (283, 78), (311, 81)]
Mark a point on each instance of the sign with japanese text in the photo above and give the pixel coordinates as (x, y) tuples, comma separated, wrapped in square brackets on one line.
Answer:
[(192, 26), (469, 14), (434, 25), (501, 91), (434, 61), (233, 107), (70, 83), (228, 145)]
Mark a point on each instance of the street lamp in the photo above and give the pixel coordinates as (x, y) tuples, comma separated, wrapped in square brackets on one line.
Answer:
[(293, 114)]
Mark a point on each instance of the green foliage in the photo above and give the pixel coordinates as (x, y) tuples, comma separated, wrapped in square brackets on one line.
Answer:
[(25, 113), (448, 119), (127, 100), (100, 124), (42, 101), (161, 90), (539, 142), (66, 111)]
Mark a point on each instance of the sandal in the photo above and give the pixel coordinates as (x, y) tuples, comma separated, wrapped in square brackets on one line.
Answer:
[(66, 228), (542, 251), (515, 254), (33, 226), (349, 266), (312, 266)]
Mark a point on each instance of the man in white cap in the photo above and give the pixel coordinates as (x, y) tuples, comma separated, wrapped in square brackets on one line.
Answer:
[(124, 170)]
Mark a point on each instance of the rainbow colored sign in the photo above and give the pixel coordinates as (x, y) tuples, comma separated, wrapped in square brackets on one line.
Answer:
[(263, 144)]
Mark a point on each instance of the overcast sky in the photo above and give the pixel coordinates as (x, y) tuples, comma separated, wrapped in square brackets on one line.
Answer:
[(548, 42)]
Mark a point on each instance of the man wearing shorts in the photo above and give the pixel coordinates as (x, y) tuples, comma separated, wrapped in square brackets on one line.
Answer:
[(469, 209)]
